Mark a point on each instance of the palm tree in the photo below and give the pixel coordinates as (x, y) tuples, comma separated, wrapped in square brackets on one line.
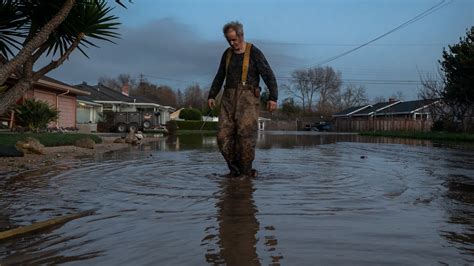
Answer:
[(29, 29)]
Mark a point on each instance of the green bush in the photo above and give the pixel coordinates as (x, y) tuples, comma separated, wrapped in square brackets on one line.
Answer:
[(196, 125), (35, 115), (190, 114), (172, 127)]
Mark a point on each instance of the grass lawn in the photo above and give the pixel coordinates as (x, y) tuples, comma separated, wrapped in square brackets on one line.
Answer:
[(435, 135), (47, 139)]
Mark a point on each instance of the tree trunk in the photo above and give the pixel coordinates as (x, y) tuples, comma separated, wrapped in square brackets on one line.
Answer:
[(7, 69), (10, 97)]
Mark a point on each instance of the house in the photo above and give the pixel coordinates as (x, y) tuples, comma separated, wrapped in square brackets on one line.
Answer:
[(416, 110), (349, 111), (57, 94), (261, 122), (386, 116), (88, 114), (104, 99), (373, 110)]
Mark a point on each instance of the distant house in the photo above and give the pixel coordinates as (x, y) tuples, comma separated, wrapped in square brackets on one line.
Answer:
[(57, 94), (104, 99), (386, 116), (416, 110), (261, 122)]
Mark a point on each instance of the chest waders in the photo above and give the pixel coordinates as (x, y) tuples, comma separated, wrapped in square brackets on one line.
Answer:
[(238, 120)]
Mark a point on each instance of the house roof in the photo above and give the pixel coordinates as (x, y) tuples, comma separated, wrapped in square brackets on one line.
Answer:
[(407, 107), (375, 108), (101, 93), (387, 108), (351, 110), (54, 84)]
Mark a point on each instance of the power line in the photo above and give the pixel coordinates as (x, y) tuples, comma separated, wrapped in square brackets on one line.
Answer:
[(423, 14), (348, 44), (170, 79), (371, 81)]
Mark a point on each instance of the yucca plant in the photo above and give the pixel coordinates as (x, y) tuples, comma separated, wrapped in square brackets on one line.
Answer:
[(33, 28), (35, 114)]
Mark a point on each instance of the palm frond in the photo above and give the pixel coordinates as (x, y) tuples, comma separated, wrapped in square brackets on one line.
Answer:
[(12, 26), (91, 18)]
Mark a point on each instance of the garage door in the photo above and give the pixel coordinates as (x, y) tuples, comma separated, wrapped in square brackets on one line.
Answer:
[(67, 111), (45, 96)]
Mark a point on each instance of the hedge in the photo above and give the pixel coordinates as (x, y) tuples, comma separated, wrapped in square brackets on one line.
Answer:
[(196, 125), (190, 114)]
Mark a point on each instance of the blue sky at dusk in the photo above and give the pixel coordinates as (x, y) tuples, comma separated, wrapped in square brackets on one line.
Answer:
[(180, 42)]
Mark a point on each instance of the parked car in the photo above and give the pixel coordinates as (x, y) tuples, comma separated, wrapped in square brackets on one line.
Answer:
[(322, 126)]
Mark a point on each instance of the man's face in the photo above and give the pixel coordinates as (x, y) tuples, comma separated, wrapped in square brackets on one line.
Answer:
[(235, 41)]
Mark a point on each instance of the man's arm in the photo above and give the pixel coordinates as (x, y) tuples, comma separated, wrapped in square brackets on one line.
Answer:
[(218, 79), (266, 72)]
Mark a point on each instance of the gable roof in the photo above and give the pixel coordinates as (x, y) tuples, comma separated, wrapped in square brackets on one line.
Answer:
[(51, 83), (103, 94), (407, 107), (375, 108), (351, 110), (95, 94)]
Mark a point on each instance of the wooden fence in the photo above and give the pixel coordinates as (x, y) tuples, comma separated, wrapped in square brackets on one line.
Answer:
[(382, 124)]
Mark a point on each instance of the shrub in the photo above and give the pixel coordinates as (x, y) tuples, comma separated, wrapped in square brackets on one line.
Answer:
[(196, 125), (190, 114), (172, 127), (35, 115)]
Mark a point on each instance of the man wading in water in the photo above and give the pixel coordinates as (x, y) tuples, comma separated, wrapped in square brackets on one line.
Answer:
[(241, 66)]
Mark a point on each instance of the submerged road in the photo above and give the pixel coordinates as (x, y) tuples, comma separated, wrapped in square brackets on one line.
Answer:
[(319, 198)]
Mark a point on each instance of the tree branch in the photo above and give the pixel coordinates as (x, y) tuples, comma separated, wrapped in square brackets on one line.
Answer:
[(54, 64), (3, 60), (39, 52), (43, 35)]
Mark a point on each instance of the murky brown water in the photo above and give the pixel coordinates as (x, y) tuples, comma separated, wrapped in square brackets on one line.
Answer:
[(316, 201)]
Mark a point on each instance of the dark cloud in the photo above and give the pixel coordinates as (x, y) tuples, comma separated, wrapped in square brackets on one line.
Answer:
[(163, 48)]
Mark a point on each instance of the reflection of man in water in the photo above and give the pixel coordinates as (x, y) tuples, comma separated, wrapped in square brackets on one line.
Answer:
[(241, 66), (236, 238)]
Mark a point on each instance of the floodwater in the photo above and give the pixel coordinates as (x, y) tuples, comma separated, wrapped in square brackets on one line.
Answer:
[(320, 199)]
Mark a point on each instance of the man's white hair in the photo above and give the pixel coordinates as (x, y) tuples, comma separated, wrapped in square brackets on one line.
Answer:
[(234, 25)]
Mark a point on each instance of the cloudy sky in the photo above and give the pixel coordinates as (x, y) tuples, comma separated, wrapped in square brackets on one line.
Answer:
[(179, 42)]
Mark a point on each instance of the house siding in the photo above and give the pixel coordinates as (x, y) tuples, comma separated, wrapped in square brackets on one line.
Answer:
[(67, 111)]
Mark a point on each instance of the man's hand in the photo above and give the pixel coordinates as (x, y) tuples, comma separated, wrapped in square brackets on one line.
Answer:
[(271, 106), (211, 103)]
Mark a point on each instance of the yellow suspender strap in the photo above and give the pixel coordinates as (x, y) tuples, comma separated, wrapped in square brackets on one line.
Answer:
[(227, 59), (245, 63)]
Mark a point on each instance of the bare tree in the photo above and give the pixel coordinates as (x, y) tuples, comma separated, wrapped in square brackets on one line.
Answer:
[(447, 114), (179, 99), (300, 88), (193, 97), (119, 82), (398, 95), (353, 95), (328, 82), (379, 99), (318, 84), (161, 94)]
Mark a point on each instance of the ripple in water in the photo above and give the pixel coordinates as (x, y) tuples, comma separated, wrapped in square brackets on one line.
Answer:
[(327, 199)]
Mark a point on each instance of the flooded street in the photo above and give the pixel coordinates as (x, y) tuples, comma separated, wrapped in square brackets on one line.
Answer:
[(319, 199)]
